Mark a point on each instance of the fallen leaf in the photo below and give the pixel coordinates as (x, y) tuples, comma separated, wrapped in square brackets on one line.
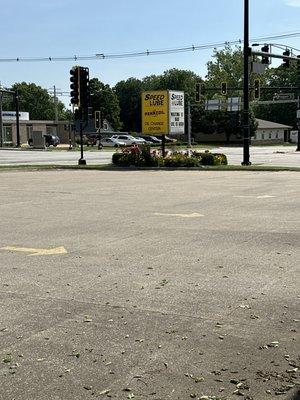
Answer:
[(199, 379), (7, 359)]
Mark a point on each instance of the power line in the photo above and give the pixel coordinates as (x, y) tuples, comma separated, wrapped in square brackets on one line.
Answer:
[(102, 56)]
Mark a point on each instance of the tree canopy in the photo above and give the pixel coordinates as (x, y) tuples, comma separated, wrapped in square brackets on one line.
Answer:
[(121, 104), (37, 101), (104, 99), (129, 96), (129, 93), (281, 113)]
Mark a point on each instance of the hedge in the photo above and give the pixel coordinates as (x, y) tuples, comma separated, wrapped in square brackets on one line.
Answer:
[(142, 157)]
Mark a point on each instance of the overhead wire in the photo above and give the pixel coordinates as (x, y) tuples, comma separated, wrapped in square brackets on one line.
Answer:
[(103, 56)]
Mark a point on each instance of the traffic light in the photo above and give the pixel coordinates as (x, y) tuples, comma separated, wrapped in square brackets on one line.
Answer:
[(84, 85), (199, 92), (77, 114), (265, 59), (224, 88), (97, 119), (75, 90), (257, 89), (286, 61)]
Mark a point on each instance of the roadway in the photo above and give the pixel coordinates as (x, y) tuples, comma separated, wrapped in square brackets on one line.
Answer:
[(285, 156), (163, 285)]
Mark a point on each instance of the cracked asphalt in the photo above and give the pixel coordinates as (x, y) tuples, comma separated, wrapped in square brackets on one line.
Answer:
[(175, 285)]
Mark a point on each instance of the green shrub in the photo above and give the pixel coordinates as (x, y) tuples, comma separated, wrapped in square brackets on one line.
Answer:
[(173, 161), (143, 157), (181, 160), (207, 159), (116, 157), (146, 155), (137, 157), (220, 159), (131, 160)]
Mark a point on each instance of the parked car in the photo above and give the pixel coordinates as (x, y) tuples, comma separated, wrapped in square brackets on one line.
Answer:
[(112, 142), (128, 139), (51, 140), (169, 139), (152, 140), (88, 139), (92, 139)]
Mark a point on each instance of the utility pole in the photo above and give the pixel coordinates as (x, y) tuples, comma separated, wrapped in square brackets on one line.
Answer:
[(246, 124), (189, 125), (16, 95), (55, 104)]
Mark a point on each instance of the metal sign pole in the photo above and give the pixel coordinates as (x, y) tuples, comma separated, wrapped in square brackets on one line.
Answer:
[(163, 145), (81, 161)]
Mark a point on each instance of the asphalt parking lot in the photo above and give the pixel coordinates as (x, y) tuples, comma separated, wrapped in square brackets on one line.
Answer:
[(161, 285)]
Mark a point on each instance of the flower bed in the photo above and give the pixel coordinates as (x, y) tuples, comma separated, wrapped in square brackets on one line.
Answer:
[(142, 156)]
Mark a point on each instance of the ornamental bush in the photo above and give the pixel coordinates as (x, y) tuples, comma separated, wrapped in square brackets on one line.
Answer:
[(220, 159), (136, 157), (143, 157), (207, 159), (116, 157), (181, 160)]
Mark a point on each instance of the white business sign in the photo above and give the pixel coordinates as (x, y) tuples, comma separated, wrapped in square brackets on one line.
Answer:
[(11, 116), (213, 105), (234, 103), (176, 112)]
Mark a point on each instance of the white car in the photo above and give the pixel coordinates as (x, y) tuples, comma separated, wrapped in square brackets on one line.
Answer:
[(128, 139), (111, 142)]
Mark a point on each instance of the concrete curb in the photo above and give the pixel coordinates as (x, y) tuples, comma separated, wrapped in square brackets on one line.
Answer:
[(108, 167)]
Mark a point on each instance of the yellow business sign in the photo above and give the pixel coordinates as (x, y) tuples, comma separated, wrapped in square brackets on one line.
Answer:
[(155, 112)]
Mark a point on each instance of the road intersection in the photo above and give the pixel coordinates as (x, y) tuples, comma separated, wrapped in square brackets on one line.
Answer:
[(284, 156), (173, 284)]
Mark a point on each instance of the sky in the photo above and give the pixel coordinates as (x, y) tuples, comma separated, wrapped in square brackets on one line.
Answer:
[(48, 28)]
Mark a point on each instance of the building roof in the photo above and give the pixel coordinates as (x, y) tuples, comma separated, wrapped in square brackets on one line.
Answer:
[(34, 121), (263, 124)]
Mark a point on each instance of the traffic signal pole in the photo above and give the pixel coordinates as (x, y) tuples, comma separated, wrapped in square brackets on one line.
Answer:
[(80, 97), (81, 161), (246, 120)]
